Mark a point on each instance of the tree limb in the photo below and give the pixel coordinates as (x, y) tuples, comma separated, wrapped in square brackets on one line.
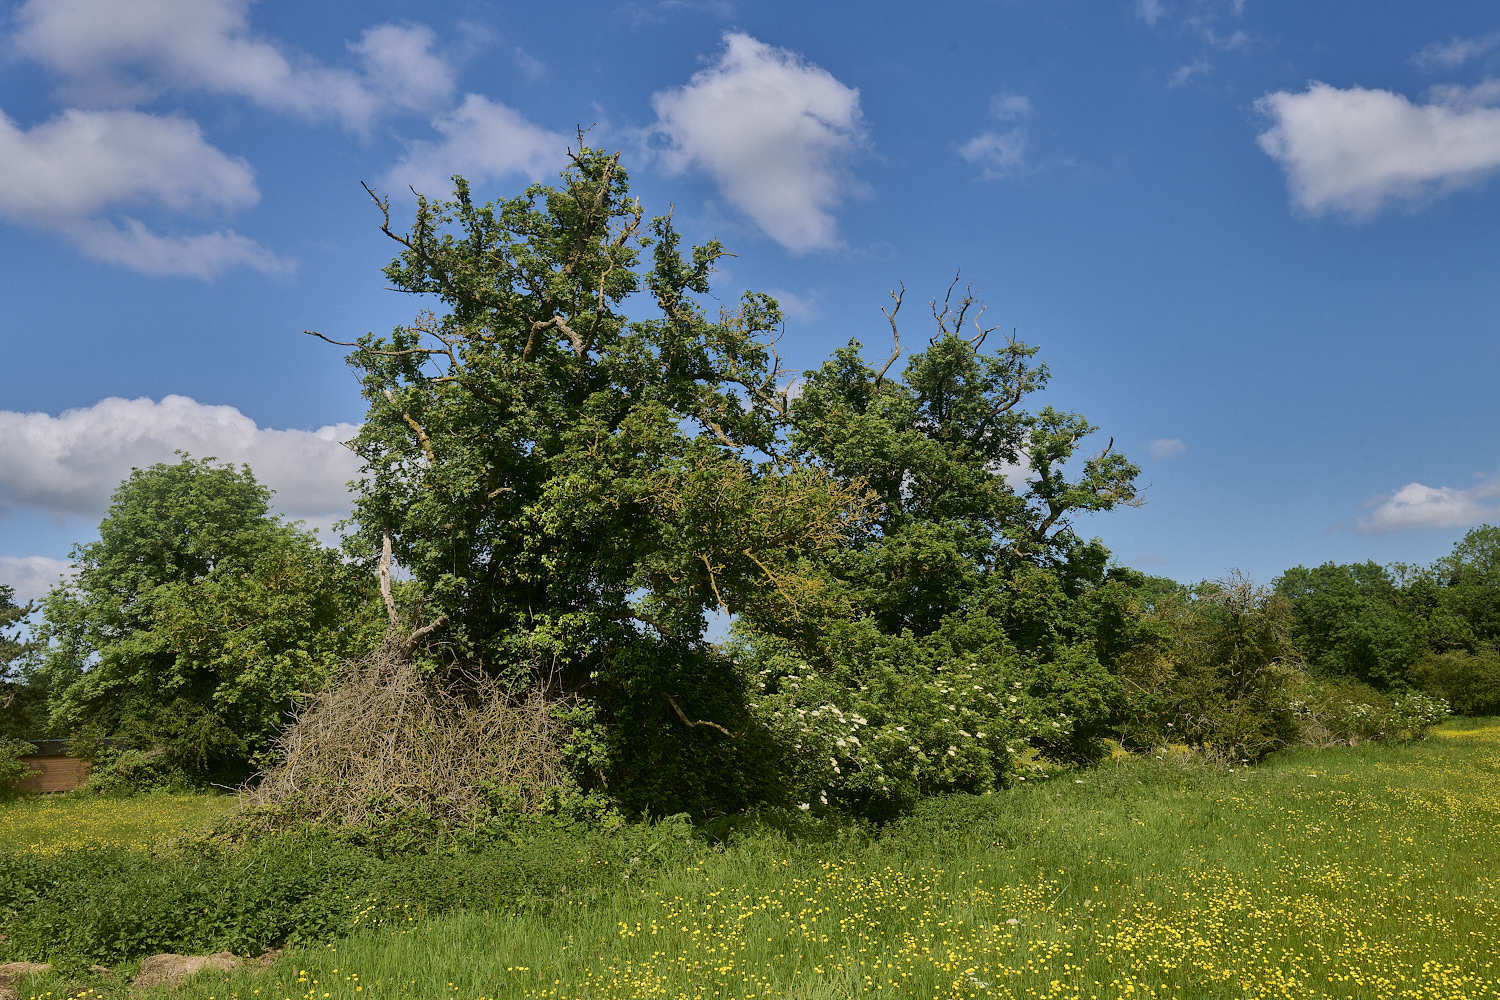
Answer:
[(895, 333), (384, 573), (701, 722)]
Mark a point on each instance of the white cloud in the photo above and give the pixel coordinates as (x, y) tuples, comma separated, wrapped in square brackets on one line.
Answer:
[(794, 306), (1150, 11), (483, 141), (1198, 67), (61, 174), (530, 66), (997, 154), (82, 161), (1418, 506), (775, 132), (1355, 150), (71, 463), (32, 576), (1164, 448), (1001, 153), (123, 53), (1007, 107), (1454, 52)]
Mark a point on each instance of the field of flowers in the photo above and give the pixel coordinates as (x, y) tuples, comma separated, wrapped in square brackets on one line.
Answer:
[(55, 824), (1365, 872)]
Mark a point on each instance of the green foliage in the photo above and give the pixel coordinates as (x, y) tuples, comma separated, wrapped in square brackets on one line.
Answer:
[(196, 618), (1339, 710), (110, 904), (573, 489), (881, 721), (1470, 682), (939, 446), (23, 710), (1353, 621), (1470, 582), (1220, 675), (12, 767)]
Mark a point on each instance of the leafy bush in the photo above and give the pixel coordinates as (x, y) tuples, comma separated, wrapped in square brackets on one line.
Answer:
[(111, 904), (1341, 710), (125, 771), (887, 720), (1413, 714), (12, 768), (1470, 682)]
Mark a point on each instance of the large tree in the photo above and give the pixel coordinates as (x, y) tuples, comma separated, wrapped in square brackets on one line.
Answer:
[(575, 489), (196, 618), (973, 487)]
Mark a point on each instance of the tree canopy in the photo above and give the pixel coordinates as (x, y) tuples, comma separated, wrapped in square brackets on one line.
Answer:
[(196, 618)]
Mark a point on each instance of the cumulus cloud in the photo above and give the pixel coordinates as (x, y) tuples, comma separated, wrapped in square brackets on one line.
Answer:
[(125, 53), (1164, 448), (61, 174), (1418, 506), (483, 141), (30, 577), (1001, 153), (1355, 150), (775, 132), (1455, 52), (71, 463)]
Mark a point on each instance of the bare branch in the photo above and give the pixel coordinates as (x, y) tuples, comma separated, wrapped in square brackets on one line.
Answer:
[(683, 716), (421, 434), (385, 579), (416, 637), (717, 596), (338, 343), (895, 333), (385, 215)]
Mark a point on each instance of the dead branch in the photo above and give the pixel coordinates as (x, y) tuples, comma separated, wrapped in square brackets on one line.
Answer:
[(385, 215), (421, 434), (410, 644), (895, 333), (702, 722), (384, 573)]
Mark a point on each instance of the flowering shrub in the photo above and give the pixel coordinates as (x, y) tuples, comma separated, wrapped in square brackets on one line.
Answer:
[(1414, 714), (1349, 711), (889, 719)]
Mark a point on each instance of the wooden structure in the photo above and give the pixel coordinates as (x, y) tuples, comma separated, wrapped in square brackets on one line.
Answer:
[(53, 769)]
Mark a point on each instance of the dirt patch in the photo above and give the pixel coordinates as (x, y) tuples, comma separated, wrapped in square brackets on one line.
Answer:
[(173, 969), (11, 973)]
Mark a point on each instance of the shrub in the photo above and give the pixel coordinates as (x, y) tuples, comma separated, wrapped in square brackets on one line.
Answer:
[(1470, 682), (111, 904), (1341, 710), (12, 768), (887, 720)]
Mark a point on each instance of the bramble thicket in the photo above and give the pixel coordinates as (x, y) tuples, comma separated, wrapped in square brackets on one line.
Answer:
[(572, 463)]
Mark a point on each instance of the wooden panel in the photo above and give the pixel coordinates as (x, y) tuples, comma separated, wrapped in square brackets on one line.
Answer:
[(58, 774)]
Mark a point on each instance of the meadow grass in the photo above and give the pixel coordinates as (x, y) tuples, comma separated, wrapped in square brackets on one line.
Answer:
[(55, 824), (1365, 872)]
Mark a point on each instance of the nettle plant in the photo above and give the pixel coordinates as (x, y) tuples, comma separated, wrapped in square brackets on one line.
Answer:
[(898, 718)]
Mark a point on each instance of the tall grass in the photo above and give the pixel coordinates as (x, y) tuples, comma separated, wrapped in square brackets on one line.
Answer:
[(1365, 872)]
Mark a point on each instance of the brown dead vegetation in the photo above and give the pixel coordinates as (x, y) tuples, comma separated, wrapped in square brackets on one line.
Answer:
[(385, 738)]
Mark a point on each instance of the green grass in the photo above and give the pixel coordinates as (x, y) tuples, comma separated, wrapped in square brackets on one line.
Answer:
[(54, 824), (1365, 872)]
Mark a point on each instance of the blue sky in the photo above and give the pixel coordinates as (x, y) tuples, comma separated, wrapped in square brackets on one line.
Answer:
[(1256, 243)]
